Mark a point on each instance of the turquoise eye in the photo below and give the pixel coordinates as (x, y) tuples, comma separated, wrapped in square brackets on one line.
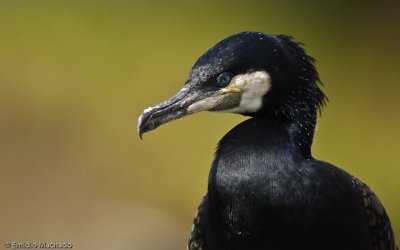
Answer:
[(224, 79)]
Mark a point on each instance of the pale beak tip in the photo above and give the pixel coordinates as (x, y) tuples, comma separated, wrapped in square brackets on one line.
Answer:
[(140, 127)]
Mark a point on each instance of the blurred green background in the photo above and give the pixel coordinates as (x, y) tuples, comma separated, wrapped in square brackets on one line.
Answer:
[(75, 76)]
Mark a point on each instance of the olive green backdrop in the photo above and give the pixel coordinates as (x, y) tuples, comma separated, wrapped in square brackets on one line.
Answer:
[(75, 76)]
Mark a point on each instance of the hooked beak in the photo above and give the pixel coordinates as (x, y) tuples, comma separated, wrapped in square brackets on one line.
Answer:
[(188, 100)]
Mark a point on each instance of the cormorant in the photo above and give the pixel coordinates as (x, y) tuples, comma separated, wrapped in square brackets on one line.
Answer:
[(265, 190)]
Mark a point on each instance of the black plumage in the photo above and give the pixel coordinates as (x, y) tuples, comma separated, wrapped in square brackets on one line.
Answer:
[(265, 189)]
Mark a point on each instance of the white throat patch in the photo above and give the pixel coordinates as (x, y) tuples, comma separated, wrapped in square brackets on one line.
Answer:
[(254, 86)]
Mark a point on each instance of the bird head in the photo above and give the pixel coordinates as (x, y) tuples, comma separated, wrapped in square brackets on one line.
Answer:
[(248, 73)]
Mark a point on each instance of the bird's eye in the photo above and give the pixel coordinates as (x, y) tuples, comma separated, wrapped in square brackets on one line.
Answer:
[(224, 79)]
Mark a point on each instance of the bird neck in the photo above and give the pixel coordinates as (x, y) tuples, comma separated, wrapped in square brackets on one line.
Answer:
[(296, 113), (261, 153), (295, 127), (272, 136), (263, 147)]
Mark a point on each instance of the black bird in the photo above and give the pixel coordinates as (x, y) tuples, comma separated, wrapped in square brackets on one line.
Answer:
[(265, 190)]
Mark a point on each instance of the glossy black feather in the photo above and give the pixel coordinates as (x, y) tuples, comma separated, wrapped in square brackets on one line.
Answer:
[(265, 189), (283, 199)]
